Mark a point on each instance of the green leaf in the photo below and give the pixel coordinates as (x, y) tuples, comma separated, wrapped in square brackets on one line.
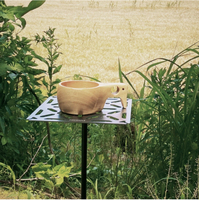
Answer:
[(17, 67), (3, 39), (59, 181), (57, 69), (3, 141), (77, 77), (23, 22), (130, 84), (29, 194), (56, 81), (64, 171), (120, 71), (42, 175), (194, 50), (20, 11), (39, 57), (45, 83), (186, 90), (49, 184), (12, 75), (61, 171), (3, 3), (55, 56), (8, 15), (3, 68), (142, 91), (161, 74), (154, 64), (35, 4), (11, 27), (34, 71), (2, 124), (11, 171), (40, 167)]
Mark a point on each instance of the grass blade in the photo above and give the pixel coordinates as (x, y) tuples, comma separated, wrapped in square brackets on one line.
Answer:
[(120, 71), (170, 106), (186, 90), (130, 85)]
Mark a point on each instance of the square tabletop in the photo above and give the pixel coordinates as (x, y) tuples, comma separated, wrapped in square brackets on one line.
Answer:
[(112, 113)]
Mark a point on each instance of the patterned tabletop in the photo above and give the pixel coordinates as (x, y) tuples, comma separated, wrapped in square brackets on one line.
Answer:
[(112, 113)]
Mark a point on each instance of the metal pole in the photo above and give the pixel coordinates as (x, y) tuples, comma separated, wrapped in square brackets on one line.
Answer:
[(84, 160)]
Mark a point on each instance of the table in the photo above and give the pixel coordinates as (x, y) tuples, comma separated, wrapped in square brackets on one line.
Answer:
[(112, 113)]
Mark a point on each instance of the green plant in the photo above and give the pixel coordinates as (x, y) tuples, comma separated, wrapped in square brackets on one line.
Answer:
[(50, 44), (6, 170), (53, 176), (168, 118), (93, 4), (173, 4), (96, 194), (18, 84), (113, 4)]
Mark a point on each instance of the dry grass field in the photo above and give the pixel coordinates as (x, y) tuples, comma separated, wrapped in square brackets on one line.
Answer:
[(95, 33)]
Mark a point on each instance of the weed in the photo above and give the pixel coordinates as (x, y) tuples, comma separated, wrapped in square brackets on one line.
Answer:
[(50, 44), (173, 4), (93, 4), (113, 4)]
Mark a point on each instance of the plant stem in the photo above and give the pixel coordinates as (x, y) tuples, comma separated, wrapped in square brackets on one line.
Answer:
[(33, 157), (49, 141)]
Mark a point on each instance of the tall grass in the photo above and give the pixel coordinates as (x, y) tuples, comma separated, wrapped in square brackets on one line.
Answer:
[(167, 121)]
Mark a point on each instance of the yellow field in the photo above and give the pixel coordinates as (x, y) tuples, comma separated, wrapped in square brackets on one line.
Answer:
[(94, 34)]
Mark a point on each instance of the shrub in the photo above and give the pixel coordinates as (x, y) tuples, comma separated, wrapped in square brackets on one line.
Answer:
[(18, 85)]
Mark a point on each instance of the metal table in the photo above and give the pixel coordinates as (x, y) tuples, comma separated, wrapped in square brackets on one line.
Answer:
[(112, 113)]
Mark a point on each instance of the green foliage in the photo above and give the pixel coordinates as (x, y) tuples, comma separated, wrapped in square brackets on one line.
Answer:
[(96, 194), (122, 75), (167, 122), (50, 44), (53, 176), (80, 77), (6, 169), (17, 83), (9, 14), (77, 77)]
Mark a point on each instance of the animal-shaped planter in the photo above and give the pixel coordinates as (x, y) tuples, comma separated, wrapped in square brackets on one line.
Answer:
[(86, 97)]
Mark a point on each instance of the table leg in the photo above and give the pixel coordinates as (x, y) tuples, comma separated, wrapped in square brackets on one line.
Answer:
[(84, 160)]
